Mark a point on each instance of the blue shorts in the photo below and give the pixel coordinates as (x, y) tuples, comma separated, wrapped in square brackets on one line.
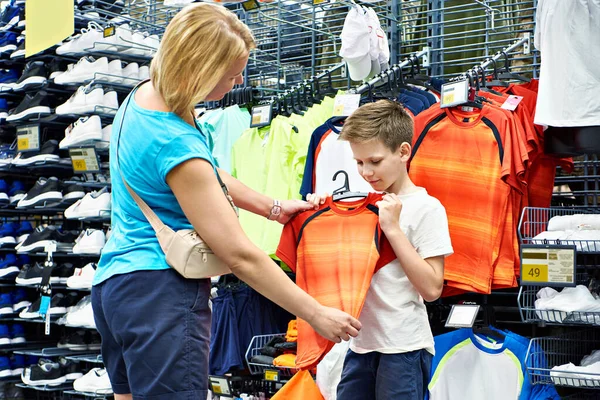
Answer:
[(377, 376), (155, 328)]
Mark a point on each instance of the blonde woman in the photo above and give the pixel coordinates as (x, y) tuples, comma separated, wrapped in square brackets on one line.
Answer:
[(155, 325)]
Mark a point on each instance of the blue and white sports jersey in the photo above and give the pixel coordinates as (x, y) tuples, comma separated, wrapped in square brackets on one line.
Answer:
[(472, 367)]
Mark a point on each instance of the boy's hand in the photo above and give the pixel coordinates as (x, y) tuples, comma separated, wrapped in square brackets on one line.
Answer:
[(390, 207), (316, 200)]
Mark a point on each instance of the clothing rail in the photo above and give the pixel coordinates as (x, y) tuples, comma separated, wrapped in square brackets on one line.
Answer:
[(310, 81), (524, 41), (384, 74)]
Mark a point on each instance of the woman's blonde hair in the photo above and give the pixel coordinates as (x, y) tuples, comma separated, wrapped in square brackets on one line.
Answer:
[(197, 49)]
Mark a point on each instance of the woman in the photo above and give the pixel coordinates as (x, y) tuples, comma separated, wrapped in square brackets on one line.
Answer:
[(155, 325)]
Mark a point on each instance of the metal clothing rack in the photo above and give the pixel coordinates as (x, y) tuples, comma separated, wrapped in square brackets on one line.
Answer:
[(524, 41), (393, 69)]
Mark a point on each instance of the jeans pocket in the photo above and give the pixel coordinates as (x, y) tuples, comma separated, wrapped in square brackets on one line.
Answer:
[(199, 292)]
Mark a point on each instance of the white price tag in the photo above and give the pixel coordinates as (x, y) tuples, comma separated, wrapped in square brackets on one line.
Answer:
[(345, 104), (28, 138), (462, 316), (454, 93), (261, 116), (548, 265), (84, 160)]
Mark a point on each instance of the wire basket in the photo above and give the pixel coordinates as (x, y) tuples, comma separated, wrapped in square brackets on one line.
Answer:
[(546, 353), (535, 221), (529, 314), (257, 343)]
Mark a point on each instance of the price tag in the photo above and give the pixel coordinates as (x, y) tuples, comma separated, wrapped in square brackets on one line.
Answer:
[(219, 386), (345, 104), (462, 316), (512, 102), (28, 138), (250, 5), (271, 376), (109, 31), (261, 116), (454, 93), (84, 160), (317, 2), (548, 265)]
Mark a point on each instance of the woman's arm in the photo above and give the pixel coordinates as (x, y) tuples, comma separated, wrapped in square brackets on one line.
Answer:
[(257, 203), (201, 198)]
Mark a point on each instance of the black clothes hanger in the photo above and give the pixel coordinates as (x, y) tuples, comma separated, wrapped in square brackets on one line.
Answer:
[(483, 83), (510, 75), (369, 98), (495, 81), (344, 191)]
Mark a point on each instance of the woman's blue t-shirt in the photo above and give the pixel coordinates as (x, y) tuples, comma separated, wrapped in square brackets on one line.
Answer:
[(152, 143)]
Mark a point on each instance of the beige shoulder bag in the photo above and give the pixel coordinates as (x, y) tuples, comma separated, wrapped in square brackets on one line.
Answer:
[(185, 250)]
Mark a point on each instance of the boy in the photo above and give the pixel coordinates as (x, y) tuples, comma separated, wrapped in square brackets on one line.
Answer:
[(391, 358)]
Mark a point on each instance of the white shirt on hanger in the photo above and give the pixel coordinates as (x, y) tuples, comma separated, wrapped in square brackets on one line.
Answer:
[(567, 33)]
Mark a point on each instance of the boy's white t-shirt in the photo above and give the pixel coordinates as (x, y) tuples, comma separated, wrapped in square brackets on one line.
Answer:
[(394, 317)]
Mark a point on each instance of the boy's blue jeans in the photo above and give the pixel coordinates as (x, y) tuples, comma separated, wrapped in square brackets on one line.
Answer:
[(377, 376)]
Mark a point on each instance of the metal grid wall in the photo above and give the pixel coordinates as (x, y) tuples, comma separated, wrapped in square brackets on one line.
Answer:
[(297, 40), (462, 33)]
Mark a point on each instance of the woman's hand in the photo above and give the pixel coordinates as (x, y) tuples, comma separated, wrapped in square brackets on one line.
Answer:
[(334, 325), (289, 208)]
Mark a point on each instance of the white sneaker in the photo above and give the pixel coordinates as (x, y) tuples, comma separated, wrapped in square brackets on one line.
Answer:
[(105, 142), (151, 42), (85, 129), (85, 100), (96, 381), (83, 42), (83, 277), (131, 74), (144, 73), (111, 101), (93, 204), (138, 48), (90, 241), (82, 317), (85, 70), (115, 73)]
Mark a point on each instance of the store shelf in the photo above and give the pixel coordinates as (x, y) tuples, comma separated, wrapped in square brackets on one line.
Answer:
[(51, 352), (534, 221), (62, 255), (546, 353), (56, 286), (91, 185), (47, 388), (529, 314), (90, 358), (98, 396), (257, 343)]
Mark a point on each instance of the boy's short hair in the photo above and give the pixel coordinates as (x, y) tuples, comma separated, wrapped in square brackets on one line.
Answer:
[(385, 120)]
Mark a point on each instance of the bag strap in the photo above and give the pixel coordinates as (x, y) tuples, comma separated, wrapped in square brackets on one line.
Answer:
[(150, 215)]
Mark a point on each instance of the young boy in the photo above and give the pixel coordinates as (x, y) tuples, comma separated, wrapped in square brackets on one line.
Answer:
[(391, 357)]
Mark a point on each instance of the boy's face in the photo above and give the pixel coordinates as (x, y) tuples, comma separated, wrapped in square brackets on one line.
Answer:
[(378, 165)]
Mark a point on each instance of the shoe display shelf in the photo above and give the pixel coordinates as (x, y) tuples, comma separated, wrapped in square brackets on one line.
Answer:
[(257, 343)]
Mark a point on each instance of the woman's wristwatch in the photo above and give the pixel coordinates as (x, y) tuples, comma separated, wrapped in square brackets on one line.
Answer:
[(275, 211)]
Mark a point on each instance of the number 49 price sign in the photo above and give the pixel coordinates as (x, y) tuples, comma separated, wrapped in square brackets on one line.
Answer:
[(548, 265)]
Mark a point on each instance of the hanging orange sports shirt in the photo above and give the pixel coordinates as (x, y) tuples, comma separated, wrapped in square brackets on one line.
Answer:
[(334, 252), (470, 161)]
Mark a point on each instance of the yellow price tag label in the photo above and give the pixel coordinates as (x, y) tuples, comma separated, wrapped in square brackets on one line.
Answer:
[(79, 165), (315, 2), (271, 376), (338, 110), (216, 389), (109, 31), (448, 98), (535, 272), (23, 144)]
